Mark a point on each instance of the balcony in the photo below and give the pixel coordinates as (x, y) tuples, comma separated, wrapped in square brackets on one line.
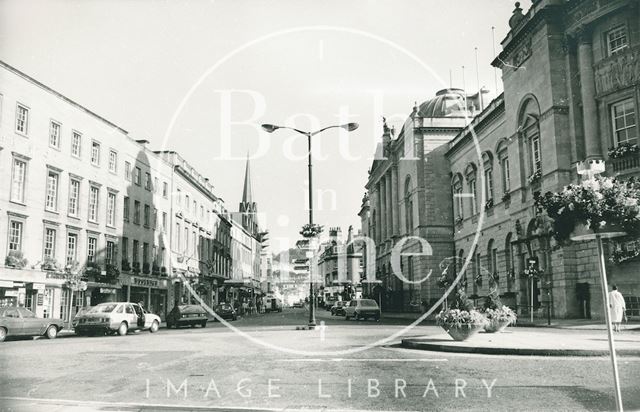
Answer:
[(626, 164)]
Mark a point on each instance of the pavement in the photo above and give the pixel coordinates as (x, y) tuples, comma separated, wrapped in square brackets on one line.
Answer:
[(271, 366)]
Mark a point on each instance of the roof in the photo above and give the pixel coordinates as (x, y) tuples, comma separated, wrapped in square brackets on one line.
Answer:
[(446, 103)]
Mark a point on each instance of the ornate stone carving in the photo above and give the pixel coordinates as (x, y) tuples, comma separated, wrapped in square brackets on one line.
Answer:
[(618, 72), (522, 54)]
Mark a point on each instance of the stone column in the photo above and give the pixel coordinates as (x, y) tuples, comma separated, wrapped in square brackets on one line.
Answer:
[(378, 222), (390, 205), (383, 209), (394, 200), (588, 93)]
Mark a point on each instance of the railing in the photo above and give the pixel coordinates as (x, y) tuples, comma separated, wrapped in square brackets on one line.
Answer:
[(625, 163)]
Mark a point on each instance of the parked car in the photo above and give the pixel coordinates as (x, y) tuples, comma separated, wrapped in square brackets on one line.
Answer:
[(272, 304), (338, 308), (362, 309), (187, 315), (22, 322), (329, 303), (298, 304), (226, 311), (116, 317)]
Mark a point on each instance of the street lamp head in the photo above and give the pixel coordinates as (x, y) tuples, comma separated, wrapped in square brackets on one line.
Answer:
[(350, 127), (270, 128)]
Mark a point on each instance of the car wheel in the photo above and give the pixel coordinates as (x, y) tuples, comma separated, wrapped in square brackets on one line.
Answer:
[(52, 332), (204, 324), (377, 318), (3, 334), (123, 329), (347, 317), (154, 327)]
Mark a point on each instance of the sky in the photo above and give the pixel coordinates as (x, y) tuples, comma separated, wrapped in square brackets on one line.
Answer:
[(200, 77)]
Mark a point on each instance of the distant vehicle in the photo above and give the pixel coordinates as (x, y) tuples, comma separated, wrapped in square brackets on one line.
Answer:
[(116, 317), (272, 304), (328, 303), (187, 315), (362, 309), (22, 322), (298, 304), (226, 311), (338, 308)]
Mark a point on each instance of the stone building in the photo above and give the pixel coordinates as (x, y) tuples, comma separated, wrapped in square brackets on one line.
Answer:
[(339, 264), (92, 214), (571, 75)]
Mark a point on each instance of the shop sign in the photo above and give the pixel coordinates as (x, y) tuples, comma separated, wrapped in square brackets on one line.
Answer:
[(108, 291), (145, 282), (6, 284), (38, 286), (12, 293)]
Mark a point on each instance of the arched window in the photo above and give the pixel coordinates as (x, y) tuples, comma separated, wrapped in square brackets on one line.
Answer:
[(457, 196), (470, 174), (503, 160), (529, 129), (408, 205), (487, 163)]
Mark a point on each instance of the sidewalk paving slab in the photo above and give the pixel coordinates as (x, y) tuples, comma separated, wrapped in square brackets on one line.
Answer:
[(517, 341)]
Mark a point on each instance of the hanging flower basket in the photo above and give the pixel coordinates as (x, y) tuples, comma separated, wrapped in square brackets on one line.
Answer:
[(535, 177), (604, 205), (311, 230)]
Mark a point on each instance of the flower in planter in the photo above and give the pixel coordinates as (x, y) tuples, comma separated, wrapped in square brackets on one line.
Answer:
[(146, 268), (623, 150), (535, 177), (136, 267), (459, 220), (488, 204), (50, 264), (501, 314), (126, 266), (595, 203), (621, 255), (15, 259), (112, 271), (163, 271), (311, 230), (155, 270), (506, 197)]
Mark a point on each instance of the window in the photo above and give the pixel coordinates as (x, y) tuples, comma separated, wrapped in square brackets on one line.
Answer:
[(18, 177), (72, 248), (194, 249), (110, 253), (76, 142), (113, 161), (186, 240), (165, 189), (111, 209), (125, 209), (488, 183), (535, 154), (471, 186), (95, 153), (186, 203), (136, 246), (15, 235), (195, 208), (506, 177), (164, 221), (127, 171), (92, 246), (22, 119), (625, 125), (147, 215), (155, 185), (145, 253), (94, 193), (49, 250), (51, 200), (136, 176), (177, 239), (408, 205), (125, 248), (457, 196), (147, 181), (136, 212), (155, 218), (74, 193), (54, 134), (617, 39)]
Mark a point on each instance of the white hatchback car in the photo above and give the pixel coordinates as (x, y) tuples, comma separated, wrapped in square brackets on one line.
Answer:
[(117, 317)]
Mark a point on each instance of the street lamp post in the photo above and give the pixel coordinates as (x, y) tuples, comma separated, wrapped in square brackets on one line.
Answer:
[(270, 128)]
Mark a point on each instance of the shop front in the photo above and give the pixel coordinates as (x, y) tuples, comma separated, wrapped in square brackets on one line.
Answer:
[(150, 292), (34, 289)]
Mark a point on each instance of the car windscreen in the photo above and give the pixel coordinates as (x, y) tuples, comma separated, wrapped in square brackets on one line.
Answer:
[(106, 308), (191, 309), (368, 303)]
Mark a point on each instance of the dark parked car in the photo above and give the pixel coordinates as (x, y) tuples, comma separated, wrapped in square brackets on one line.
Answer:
[(338, 308), (226, 311), (23, 322), (187, 315), (298, 304)]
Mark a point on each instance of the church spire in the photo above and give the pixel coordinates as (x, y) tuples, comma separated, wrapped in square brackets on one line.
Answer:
[(247, 193)]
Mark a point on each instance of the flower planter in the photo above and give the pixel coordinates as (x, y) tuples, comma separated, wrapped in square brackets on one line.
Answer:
[(496, 325), (464, 332)]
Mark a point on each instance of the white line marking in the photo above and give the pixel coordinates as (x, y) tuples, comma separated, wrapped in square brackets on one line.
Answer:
[(366, 360)]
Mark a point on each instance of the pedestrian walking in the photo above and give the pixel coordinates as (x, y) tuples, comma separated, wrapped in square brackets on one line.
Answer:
[(617, 308)]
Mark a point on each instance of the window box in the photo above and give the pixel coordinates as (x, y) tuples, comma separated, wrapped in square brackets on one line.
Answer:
[(126, 266), (49, 264), (112, 272), (135, 268), (163, 271), (623, 150), (535, 177), (155, 270), (146, 268), (506, 197), (488, 204), (459, 220), (15, 259), (93, 270)]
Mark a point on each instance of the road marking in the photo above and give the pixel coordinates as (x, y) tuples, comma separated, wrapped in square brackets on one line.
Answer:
[(366, 360)]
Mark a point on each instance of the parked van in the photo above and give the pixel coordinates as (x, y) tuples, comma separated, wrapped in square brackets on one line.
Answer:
[(272, 304)]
